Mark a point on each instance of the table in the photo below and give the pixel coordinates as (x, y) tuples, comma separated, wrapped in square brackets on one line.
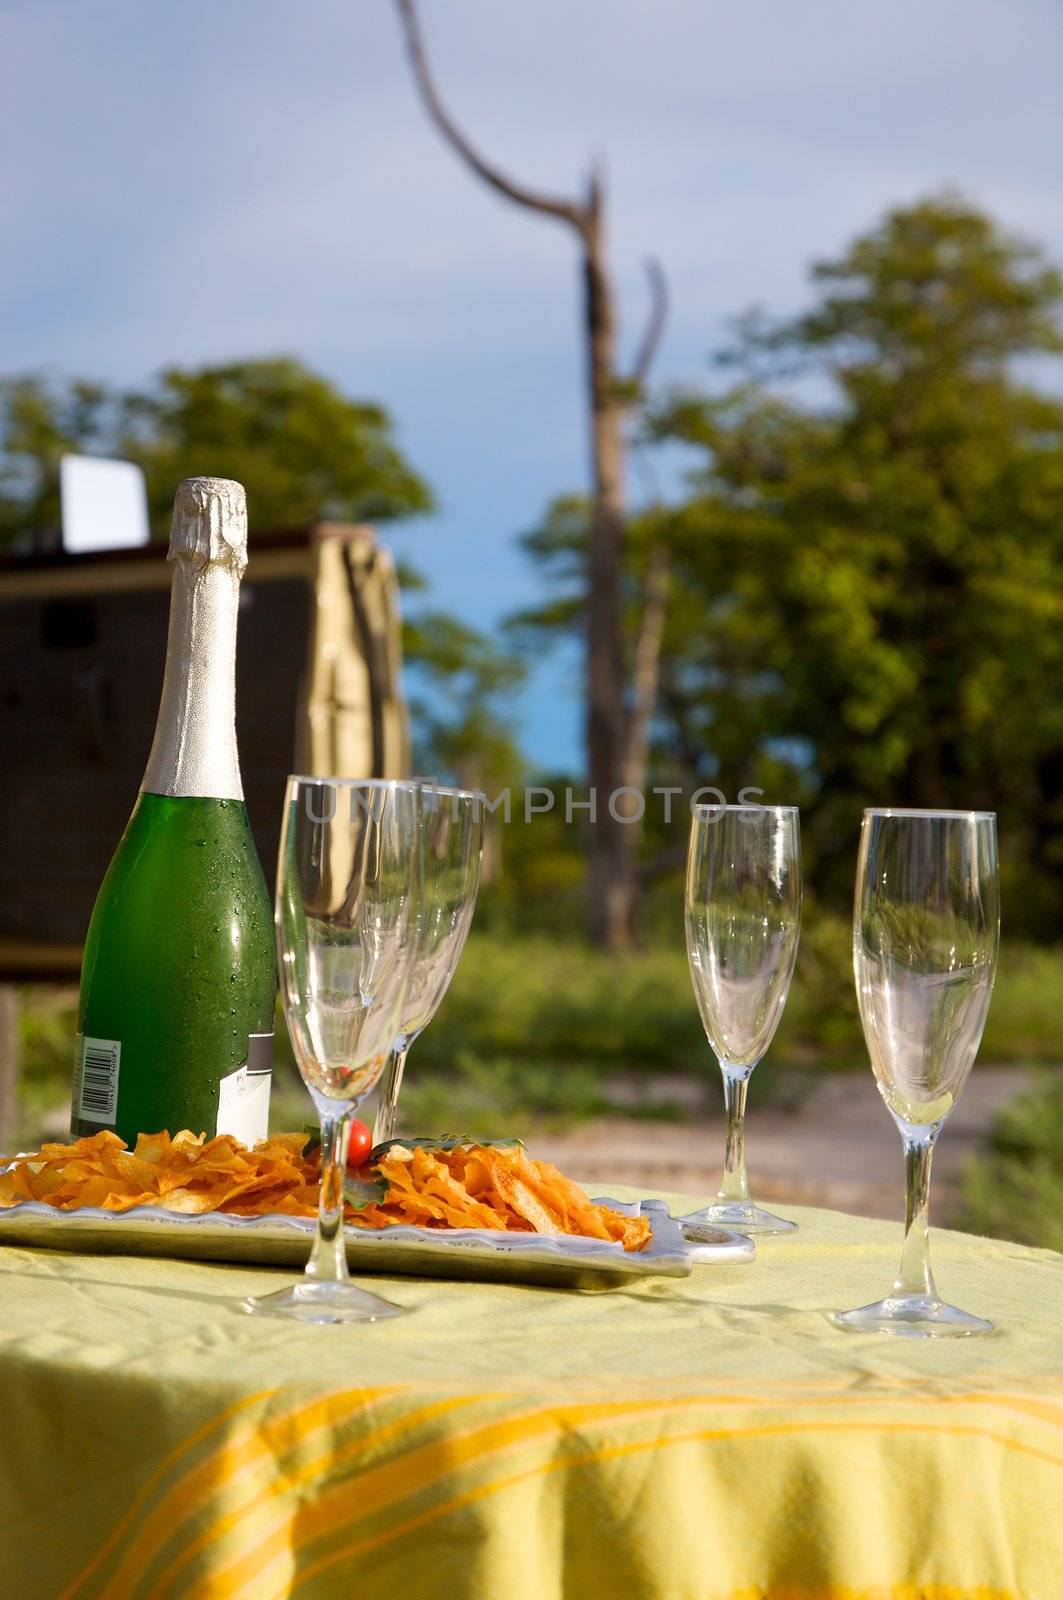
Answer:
[(712, 1438)]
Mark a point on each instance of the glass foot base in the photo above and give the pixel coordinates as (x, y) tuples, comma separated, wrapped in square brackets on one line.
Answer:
[(323, 1302), (915, 1316), (742, 1216)]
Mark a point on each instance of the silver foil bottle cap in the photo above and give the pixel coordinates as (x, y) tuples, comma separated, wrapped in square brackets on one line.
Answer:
[(194, 749), (209, 524)]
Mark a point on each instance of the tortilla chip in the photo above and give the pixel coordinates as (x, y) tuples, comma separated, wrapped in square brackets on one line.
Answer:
[(451, 1185), (186, 1202)]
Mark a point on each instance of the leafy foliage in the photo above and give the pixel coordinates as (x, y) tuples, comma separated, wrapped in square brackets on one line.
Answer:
[(304, 452), (300, 447), (1015, 1191), (360, 1191), (463, 682), (879, 582), (866, 590), (38, 425), (442, 1141), (568, 1008), (487, 1095)]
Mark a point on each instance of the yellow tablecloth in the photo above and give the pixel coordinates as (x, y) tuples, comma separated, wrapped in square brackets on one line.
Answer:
[(713, 1438)]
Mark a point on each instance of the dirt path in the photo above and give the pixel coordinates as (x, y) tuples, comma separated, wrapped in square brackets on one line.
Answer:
[(837, 1148)]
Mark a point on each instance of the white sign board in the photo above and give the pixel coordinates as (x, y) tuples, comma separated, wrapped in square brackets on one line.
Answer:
[(105, 504)]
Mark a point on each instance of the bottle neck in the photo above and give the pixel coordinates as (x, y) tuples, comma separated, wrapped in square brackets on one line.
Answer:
[(194, 749)]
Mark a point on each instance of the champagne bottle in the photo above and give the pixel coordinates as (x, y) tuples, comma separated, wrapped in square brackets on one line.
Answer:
[(175, 1025)]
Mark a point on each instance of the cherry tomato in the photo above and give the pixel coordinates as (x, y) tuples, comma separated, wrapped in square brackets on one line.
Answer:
[(360, 1145)]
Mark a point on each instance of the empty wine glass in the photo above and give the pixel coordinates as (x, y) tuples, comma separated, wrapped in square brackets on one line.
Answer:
[(743, 923), (452, 828), (348, 891), (926, 928)]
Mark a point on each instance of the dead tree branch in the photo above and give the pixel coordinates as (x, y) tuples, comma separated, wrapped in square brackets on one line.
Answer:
[(647, 667), (570, 211), (647, 663), (612, 876), (651, 339)]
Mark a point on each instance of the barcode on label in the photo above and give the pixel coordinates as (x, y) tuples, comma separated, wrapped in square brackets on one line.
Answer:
[(99, 1080)]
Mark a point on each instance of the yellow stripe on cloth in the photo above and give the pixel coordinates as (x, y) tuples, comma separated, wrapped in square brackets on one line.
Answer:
[(295, 1526), (267, 1583), (258, 1585), (285, 1480), (249, 1490), (69, 1592), (397, 1478), (892, 1591), (258, 1444), (388, 1487), (712, 1437)]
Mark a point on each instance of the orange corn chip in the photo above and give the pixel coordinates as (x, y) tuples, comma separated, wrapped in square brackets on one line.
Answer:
[(520, 1199), (152, 1146), (188, 1203), (481, 1186), (464, 1186)]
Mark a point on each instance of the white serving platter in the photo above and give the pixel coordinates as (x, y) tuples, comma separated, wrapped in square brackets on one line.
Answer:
[(555, 1260)]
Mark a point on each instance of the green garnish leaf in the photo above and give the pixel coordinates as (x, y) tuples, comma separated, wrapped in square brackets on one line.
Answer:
[(313, 1143), (361, 1192)]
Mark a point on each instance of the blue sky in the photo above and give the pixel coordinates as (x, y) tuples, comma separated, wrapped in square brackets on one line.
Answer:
[(195, 180)]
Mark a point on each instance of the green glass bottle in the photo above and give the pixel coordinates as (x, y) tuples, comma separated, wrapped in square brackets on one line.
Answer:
[(175, 1026)]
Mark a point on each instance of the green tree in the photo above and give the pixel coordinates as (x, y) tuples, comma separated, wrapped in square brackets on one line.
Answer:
[(879, 580), (866, 569), (460, 712), (305, 452), (40, 423), (301, 448)]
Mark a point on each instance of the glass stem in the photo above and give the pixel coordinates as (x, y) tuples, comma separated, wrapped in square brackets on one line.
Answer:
[(387, 1106), (328, 1259), (915, 1277), (735, 1185)]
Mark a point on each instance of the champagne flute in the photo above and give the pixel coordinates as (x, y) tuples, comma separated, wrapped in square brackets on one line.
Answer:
[(348, 888), (743, 923), (452, 825), (926, 928)]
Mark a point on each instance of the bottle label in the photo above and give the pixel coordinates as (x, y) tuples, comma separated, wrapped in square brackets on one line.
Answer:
[(96, 1064), (243, 1095)]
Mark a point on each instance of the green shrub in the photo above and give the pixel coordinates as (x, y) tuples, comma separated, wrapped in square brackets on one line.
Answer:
[(1015, 1191), (559, 1001), (556, 1014), (1026, 1015), (48, 1016), (488, 1098), (555, 1001)]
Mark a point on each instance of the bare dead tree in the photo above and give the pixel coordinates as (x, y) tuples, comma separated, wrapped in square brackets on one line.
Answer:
[(613, 879), (646, 669), (655, 325), (647, 661)]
